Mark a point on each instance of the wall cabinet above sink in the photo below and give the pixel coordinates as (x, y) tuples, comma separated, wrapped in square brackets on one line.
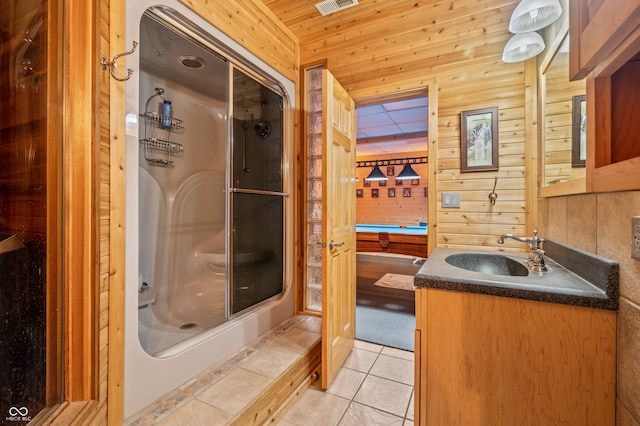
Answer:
[(598, 29), (605, 47)]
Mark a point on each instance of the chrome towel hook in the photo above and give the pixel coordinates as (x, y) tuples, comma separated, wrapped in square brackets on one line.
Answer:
[(112, 65)]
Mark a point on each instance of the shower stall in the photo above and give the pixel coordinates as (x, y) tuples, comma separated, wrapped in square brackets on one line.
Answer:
[(208, 175)]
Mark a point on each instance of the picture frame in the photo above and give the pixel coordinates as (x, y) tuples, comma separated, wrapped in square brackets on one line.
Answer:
[(579, 131), (479, 140), (391, 171), (391, 192), (359, 193), (406, 192), (398, 182), (415, 181), (426, 191), (367, 183), (382, 183), (374, 193)]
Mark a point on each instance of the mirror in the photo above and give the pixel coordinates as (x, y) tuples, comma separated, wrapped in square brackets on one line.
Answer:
[(563, 128)]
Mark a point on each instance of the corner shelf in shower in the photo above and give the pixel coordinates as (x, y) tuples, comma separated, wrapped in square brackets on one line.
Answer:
[(146, 296)]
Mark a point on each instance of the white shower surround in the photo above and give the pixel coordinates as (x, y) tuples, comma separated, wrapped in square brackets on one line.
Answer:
[(148, 378)]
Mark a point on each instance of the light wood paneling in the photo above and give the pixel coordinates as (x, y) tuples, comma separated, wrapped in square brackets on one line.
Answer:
[(113, 216), (385, 47), (503, 361), (254, 27)]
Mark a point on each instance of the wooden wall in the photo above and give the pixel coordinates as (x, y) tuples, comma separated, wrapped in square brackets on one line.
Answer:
[(397, 210), (385, 47), (256, 28)]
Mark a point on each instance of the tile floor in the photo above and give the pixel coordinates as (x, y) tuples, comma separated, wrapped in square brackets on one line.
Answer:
[(374, 387), (220, 392)]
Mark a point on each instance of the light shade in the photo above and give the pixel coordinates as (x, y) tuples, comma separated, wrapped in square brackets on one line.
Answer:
[(376, 174), (521, 47), (407, 173), (532, 15)]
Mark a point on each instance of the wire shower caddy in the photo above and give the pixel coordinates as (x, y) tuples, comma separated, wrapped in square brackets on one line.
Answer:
[(160, 152)]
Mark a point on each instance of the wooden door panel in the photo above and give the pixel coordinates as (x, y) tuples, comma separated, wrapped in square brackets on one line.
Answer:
[(338, 228)]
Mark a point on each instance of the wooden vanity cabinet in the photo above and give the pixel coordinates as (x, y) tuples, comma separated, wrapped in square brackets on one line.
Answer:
[(605, 48), (489, 360)]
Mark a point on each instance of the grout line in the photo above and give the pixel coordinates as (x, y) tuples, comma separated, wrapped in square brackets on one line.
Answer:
[(367, 374)]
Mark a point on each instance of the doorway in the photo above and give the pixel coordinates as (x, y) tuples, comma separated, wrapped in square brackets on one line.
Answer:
[(392, 216), (408, 129)]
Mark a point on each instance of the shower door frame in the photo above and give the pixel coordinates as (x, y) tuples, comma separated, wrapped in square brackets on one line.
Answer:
[(276, 88)]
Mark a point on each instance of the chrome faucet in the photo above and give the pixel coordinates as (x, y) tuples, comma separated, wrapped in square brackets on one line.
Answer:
[(536, 258)]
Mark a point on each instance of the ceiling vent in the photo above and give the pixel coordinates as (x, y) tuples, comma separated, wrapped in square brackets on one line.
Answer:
[(330, 6)]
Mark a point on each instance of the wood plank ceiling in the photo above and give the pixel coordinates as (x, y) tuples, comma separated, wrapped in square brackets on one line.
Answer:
[(306, 22), (380, 47)]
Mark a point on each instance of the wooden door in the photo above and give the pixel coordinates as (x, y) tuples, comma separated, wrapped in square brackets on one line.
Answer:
[(338, 227)]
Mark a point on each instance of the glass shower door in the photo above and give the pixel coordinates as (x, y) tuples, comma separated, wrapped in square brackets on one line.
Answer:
[(257, 198)]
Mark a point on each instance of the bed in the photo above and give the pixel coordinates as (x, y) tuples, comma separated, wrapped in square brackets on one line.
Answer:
[(408, 240)]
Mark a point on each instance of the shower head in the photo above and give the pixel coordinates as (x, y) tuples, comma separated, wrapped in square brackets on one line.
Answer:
[(263, 129)]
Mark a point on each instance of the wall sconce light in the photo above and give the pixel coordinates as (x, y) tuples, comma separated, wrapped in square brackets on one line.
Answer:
[(376, 174), (523, 46), (407, 173), (532, 15)]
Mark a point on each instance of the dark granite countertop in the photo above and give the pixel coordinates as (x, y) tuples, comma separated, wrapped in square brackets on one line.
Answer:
[(598, 289)]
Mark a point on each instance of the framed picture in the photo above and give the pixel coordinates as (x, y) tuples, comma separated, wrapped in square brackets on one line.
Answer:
[(359, 193), (390, 171), (415, 181), (426, 192), (382, 183), (579, 131), (367, 182), (398, 182), (479, 140), (406, 192), (374, 193), (391, 192)]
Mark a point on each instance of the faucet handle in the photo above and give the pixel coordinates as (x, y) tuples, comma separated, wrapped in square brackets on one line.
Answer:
[(535, 236)]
